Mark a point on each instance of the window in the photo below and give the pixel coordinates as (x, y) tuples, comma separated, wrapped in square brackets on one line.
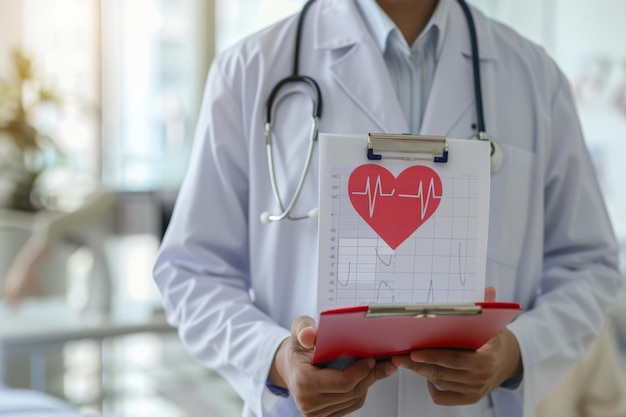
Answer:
[(239, 18), (130, 75), (62, 37), (155, 57)]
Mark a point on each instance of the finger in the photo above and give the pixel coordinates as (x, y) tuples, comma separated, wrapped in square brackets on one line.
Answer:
[(402, 361), (303, 330), (330, 384), (326, 404), (440, 374), (380, 370), (331, 390), (345, 380), (457, 387), (474, 382), (441, 397), (479, 370), (307, 336), (449, 358), (339, 404), (490, 294), (383, 369), (349, 408), (336, 410)]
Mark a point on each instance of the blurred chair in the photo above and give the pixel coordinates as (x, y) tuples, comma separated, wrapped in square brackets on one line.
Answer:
[(596, 385), (34, 287), (38, 247), (36, 320)]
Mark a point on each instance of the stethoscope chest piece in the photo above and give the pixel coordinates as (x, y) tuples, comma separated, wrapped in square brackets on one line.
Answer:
[(497, 156)]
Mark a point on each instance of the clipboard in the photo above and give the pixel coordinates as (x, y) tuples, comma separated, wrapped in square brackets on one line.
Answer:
[(383, 330), (402, 219)]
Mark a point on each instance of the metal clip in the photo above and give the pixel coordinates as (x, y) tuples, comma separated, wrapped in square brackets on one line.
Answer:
[(407, 147)]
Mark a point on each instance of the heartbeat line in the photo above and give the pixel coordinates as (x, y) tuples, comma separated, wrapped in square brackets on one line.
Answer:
[(381, 259), (347, 281), (424, 202), (385, 293), (430, 297), (378, 192), (462, 279)]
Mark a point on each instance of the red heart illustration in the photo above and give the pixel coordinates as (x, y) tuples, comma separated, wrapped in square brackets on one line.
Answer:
[(395, 207)]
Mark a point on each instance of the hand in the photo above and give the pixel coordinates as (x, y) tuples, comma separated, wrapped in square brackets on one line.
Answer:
[(458, 377), (322, 392), (22, 278)]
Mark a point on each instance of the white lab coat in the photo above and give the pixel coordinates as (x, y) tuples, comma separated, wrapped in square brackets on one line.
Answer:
[(233, 285)]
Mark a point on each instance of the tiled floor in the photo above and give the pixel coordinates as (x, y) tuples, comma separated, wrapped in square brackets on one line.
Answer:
[(144, 375), (153, 376)]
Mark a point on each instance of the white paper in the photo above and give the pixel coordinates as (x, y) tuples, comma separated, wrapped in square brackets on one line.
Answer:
[(442, 261)]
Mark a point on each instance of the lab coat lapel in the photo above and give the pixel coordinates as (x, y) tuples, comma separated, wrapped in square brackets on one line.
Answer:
[(363, 75), (360, 71), (452, 93)]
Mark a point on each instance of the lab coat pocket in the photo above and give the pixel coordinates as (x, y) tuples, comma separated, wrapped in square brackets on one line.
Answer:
[(511, 199)]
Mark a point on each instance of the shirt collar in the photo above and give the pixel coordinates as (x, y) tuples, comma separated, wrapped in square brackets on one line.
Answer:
[(381, 26)]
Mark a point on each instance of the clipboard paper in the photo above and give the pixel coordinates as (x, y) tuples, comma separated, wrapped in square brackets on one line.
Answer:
[(350, 332)]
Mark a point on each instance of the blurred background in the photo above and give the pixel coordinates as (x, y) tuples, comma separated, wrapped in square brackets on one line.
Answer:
[(98, 101)]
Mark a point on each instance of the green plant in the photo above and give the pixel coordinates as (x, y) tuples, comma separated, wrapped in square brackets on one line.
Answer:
[(25, 152)]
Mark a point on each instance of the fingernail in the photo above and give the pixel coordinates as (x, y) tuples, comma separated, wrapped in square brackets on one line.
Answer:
[(371, 362), (416, 357)]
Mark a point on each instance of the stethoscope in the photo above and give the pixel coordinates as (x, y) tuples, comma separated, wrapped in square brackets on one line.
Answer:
[(296, 78)]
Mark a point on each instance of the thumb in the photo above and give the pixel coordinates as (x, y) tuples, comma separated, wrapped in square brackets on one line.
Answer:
[(490, 294), (304, 331)]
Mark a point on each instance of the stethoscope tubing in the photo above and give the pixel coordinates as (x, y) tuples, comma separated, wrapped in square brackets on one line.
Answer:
[(286, 211), (478, 89), (295, 77)]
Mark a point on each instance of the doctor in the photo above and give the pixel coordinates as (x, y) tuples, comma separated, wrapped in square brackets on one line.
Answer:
[(242, 293)]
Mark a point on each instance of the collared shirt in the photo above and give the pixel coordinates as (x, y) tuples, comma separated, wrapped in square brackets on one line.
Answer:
[(411, 68)]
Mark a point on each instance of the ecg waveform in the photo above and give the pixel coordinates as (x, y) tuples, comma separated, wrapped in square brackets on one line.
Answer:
[(378, 280), (462, 279), (424, 202), (379, 257), (378, 192)]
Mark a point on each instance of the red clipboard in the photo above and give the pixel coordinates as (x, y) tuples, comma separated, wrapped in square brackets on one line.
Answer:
[(383, 330)]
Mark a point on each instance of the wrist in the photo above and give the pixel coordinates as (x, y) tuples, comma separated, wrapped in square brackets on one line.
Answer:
[(277, 369), (512, 356)]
